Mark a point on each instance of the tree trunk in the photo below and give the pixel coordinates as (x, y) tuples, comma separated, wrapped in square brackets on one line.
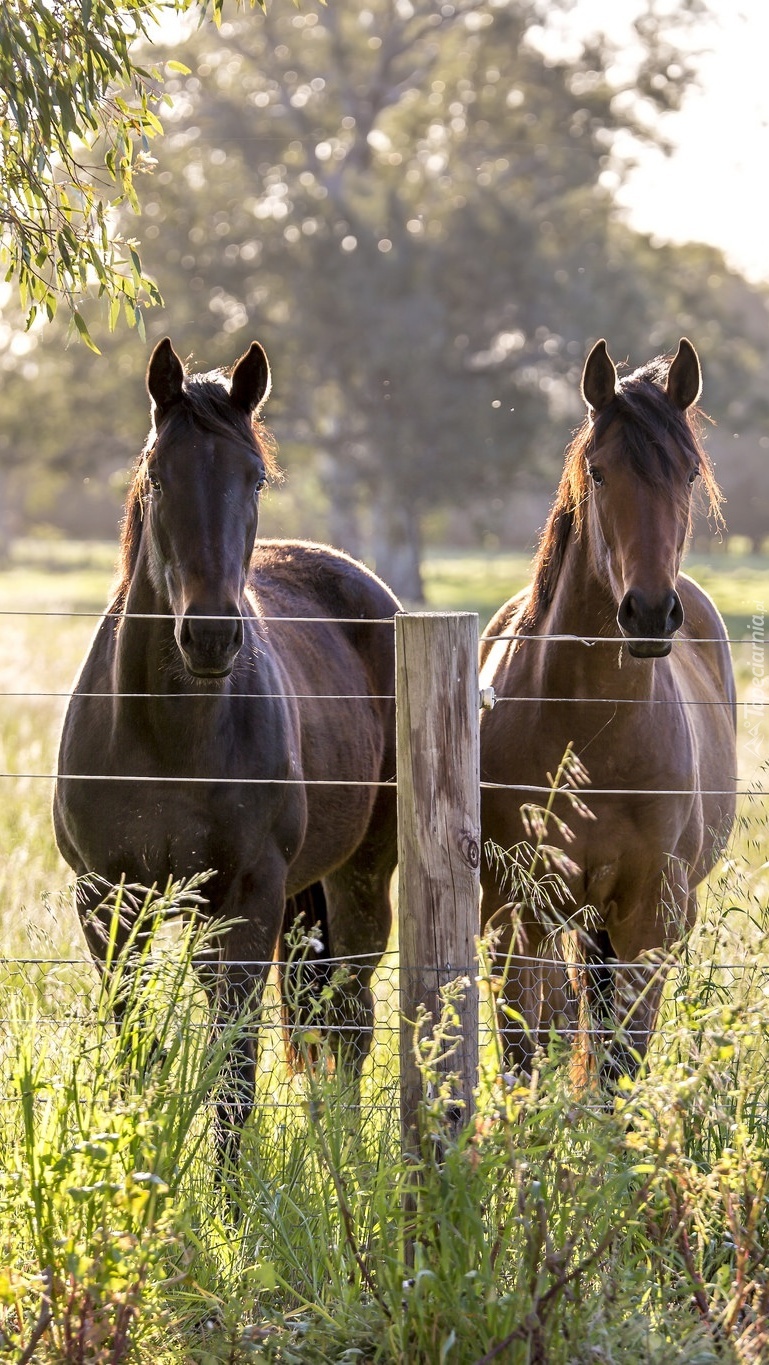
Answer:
[(396, 540)]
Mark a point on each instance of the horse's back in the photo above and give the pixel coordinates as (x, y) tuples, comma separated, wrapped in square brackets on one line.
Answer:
[(318, 580), (296, 581)]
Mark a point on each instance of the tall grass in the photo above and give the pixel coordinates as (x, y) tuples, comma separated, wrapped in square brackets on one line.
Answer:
[(551, 1228), (99, 1136)]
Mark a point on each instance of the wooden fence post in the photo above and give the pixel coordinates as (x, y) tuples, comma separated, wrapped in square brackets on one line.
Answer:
[(438, 748)]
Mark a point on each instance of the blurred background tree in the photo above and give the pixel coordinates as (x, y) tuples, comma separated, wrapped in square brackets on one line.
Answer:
[(412, 206), (76, 119), (68, 82)]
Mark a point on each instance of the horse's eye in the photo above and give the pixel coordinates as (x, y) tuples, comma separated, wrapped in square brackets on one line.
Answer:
[(695, 473), (154, 482), (260, 484), (595, 475)]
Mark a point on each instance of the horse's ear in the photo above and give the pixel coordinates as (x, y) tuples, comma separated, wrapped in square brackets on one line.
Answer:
[(599, 378), (165, 377), (251, 379), (684, 382)]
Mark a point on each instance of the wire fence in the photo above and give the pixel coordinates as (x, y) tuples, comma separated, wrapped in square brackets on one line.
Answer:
[(756, 639), (59, 994), (55, 1001), (748, 706)]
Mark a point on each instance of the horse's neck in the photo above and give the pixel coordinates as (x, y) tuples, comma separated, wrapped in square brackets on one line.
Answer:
[(145, 653), (583, 605), (582, 602), (146, 662), (154, 699)]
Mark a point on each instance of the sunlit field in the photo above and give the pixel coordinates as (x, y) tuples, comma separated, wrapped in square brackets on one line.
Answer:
[(343, 1250)]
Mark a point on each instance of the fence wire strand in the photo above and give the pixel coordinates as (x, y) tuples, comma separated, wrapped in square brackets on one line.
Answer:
[(485, 638), (61, 995)]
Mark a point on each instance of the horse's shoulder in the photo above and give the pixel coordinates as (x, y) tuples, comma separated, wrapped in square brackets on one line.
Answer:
[(95, 670), (702, 619), (703, 623), (504, 621), (311, 571)]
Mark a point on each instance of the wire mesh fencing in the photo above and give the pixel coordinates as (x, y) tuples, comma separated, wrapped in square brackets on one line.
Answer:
[(57, 1007)]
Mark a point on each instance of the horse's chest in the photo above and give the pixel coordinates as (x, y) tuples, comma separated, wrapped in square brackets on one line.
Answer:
[(163, 820), (619, 743), (642, 780)]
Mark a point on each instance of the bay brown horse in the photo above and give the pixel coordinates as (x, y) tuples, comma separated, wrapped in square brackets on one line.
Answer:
[(249, 691), (613, 650)]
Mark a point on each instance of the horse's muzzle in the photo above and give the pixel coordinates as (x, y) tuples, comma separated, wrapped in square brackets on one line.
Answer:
[(209, 645), (649, 627)]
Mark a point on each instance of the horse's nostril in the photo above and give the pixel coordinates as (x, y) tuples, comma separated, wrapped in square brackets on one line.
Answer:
[(656, 619), (628, 610), (210, 642), (675, 613)]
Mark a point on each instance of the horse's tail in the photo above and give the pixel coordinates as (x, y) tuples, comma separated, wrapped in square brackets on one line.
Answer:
[(303, 973)]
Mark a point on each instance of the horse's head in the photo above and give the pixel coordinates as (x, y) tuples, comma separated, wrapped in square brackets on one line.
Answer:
[(640, 461), (203, 472)]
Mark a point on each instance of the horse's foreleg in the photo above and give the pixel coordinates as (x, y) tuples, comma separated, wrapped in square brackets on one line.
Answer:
[(626, 998), (236, 991), (359, 919), (516, 976), (559, 1014), (624, 1002), (237, 1000), (106, 926), (108, 918), (640, 986), (613, 1057), (638, 994), (107, 922), (518, 999), (255, 902)]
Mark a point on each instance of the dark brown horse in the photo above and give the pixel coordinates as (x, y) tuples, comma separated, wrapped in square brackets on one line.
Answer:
[(250, 693), (650, 713)]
